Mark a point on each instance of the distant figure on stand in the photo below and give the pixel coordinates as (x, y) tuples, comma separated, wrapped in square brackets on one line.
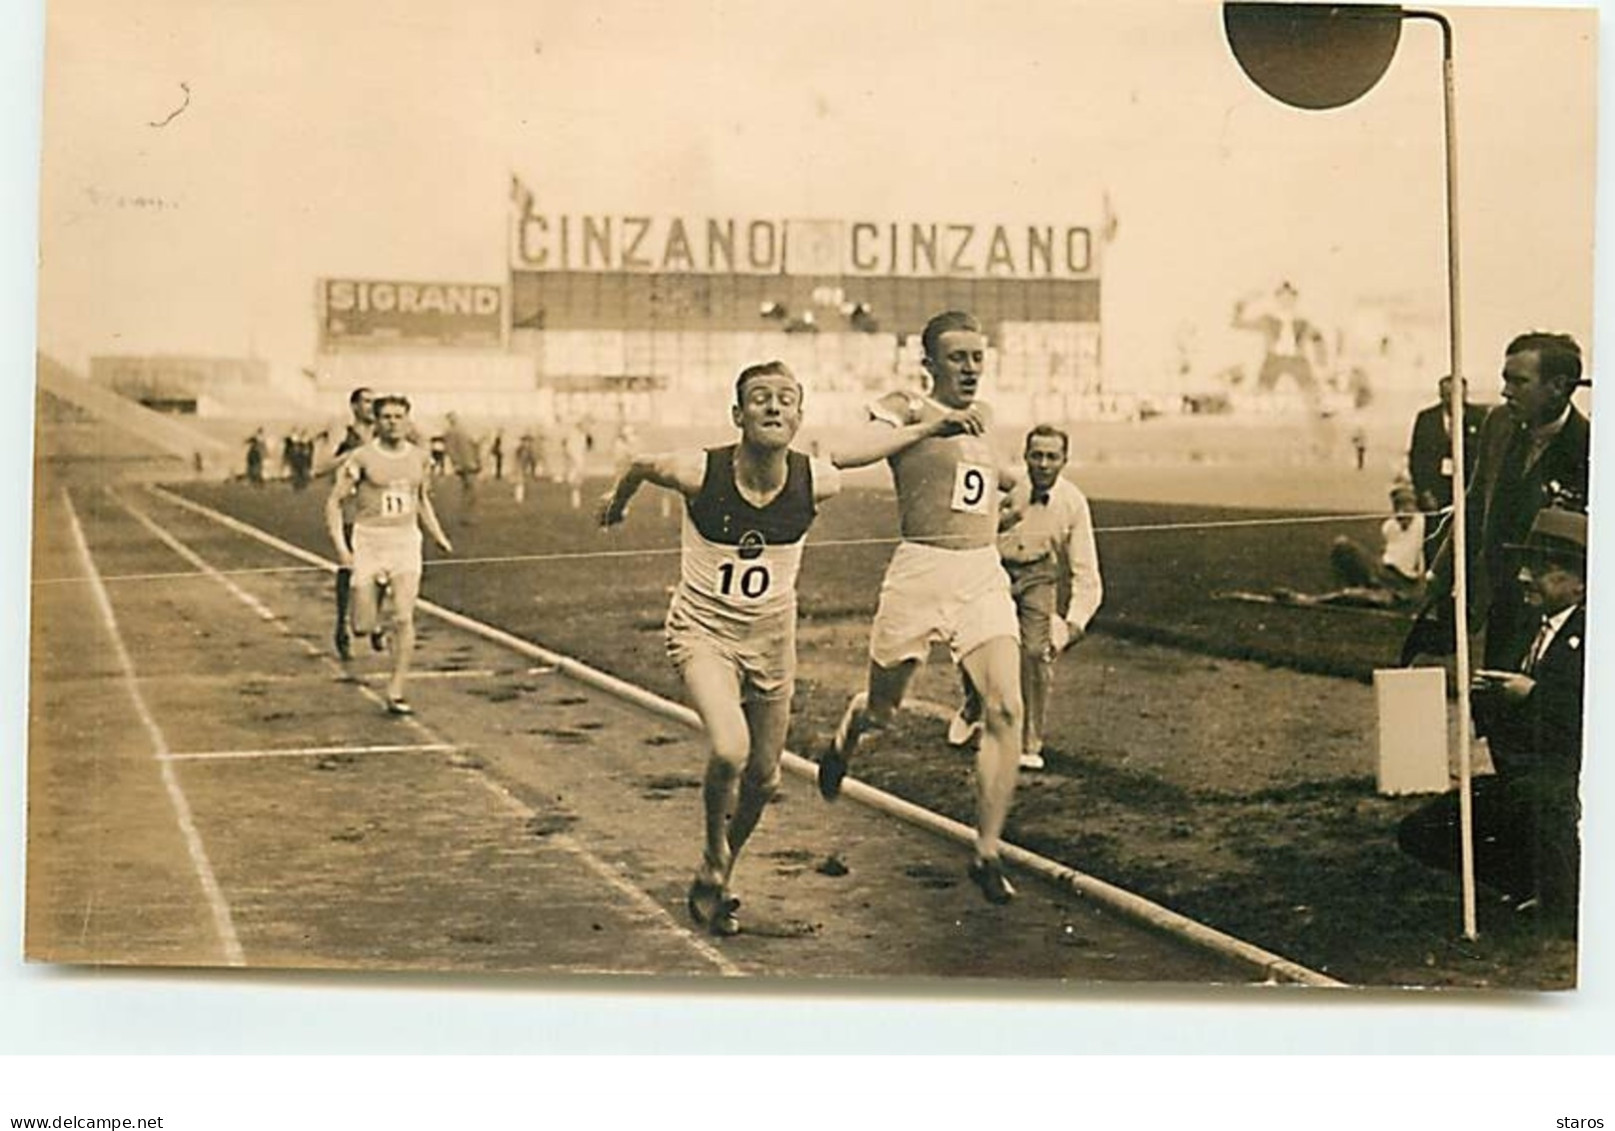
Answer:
[(257, 449), (526, 464), (465, 454), (574, 460), (1293, 346)]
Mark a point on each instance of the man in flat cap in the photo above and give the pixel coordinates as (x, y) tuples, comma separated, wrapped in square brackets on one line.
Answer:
[(1526, 813)]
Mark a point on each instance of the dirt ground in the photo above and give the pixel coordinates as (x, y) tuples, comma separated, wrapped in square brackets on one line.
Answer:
[(1238, 794)]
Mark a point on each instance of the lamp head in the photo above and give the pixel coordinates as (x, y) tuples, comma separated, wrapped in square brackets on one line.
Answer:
[(1313, 56)]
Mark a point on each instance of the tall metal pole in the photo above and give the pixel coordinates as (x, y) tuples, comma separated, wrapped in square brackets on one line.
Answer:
[(1460, 532)]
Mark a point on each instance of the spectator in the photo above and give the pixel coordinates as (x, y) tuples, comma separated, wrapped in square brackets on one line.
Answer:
[(1430, 458), (465, 454), (1525, 814), (1396, 575), (257, 449), (526, 464), (1533, 449)]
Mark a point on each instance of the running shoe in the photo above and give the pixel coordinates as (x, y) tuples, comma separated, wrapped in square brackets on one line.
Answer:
[(399, 706), (963, 731), (833, 762), (988, 875), (713, 908), (1032, 761)]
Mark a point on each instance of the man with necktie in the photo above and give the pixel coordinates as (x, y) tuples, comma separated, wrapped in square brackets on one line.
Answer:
[(1526, 813), (1052, 533), (1532, 451)]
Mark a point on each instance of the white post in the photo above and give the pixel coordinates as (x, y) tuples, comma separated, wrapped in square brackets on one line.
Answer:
[(1460, 532)]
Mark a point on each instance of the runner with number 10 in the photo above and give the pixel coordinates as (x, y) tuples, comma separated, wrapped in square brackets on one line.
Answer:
[(731, 626)]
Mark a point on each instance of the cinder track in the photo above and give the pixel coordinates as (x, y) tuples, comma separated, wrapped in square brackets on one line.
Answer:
[(524, 822)]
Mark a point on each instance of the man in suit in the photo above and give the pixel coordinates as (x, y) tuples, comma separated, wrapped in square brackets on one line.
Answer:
[(1532, 450), (1526, 813), (1430, 458)]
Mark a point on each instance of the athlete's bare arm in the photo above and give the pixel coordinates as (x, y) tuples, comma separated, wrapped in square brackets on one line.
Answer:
[(880, 439), (826, 481), (677, 471), (340, 490), (429, 519)]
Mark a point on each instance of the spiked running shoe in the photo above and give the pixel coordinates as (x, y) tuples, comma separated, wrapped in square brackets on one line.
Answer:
[(713, 908), (962, 731), (833, 762), (988, 875)]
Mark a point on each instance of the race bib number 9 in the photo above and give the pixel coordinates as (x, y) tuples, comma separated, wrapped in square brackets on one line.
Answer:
[(397, 501), (973, 488)]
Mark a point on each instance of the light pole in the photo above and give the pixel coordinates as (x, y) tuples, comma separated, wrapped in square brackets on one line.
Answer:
[(1324, 56)]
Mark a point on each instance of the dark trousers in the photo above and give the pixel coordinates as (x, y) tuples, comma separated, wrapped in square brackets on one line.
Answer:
[(344, 589), (1526, 840)]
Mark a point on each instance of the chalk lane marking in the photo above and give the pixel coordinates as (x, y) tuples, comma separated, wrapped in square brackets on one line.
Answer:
[(223, 924), (313, 751), (614, 878)]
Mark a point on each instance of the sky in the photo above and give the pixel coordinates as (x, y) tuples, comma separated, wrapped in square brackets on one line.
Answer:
[(340, 138)]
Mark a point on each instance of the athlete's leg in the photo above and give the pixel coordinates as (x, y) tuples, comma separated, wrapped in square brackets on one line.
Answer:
[(344, 589), (1035, 611), (403, 588), (868, 710), (714, 688), (994, 667), (1037, 672), (767, 721), (365, 597), (966, 722)]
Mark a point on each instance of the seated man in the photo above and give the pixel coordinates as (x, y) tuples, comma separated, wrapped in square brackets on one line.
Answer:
[(1526, 814), (1397, 574)]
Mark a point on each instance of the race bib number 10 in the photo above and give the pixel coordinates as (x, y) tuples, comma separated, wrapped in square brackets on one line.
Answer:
[(743, 579), (973, 488)]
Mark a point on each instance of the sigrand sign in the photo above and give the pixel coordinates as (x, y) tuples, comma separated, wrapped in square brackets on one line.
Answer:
[(656, 244), (380, 312)]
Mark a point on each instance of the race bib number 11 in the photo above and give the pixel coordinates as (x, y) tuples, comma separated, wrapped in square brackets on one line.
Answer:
[(396, 501), (972, 488)]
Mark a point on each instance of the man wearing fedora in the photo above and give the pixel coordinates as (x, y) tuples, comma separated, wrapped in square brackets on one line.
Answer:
[(1526, 813)]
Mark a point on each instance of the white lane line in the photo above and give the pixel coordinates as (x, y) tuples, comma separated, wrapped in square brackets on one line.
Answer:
[(614, 878), (223, 924), (1119, 899), (280, 679), (638, 897), (312, 752)]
